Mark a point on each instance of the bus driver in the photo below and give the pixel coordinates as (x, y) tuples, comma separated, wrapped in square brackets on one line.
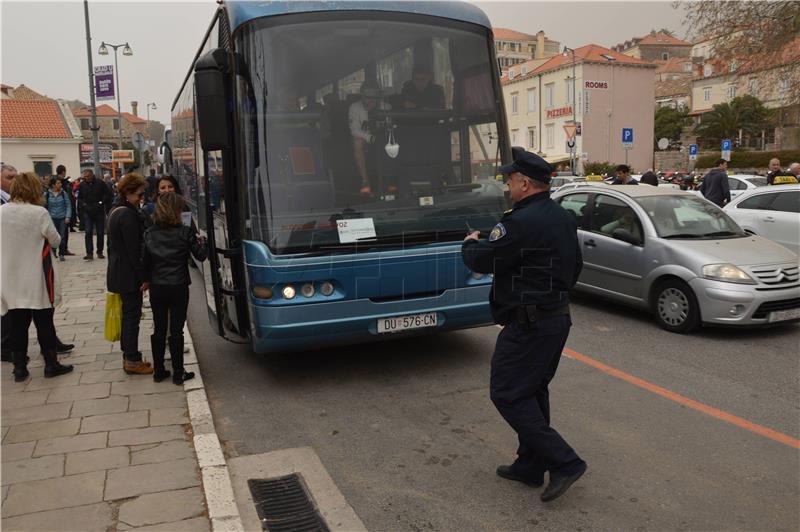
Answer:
[(358, 117)]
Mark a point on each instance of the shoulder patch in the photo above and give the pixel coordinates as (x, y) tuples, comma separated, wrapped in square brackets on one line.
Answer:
[(498, 232)]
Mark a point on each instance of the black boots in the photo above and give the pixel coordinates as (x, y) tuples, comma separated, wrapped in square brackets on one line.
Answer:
[(176, 352), (20, 360), (158, 345), (52, 368)]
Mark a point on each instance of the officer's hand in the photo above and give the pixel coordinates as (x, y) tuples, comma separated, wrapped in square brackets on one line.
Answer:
[(475, 235)]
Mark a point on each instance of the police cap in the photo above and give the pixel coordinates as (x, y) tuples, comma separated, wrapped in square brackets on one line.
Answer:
[(530, 165)]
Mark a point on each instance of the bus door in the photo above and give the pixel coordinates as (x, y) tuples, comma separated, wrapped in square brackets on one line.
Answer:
[(226, 305)]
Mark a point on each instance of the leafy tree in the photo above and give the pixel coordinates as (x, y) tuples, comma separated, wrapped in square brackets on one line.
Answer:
[(753, 115), (722, 122), (665, 31), (670, 122), (598, 168)]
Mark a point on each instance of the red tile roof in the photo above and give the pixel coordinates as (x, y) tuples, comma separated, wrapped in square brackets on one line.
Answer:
[(673, 64), (24, 93), (133, 119), (32, 119), (505, 34), (661, 39), (591, 53)]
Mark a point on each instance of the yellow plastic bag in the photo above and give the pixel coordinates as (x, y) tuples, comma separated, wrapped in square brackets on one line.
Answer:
[(113, 317)]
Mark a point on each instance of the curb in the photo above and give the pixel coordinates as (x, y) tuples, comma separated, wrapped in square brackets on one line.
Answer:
[(222, 509)]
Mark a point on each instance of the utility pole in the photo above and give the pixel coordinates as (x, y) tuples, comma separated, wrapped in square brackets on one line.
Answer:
[(95, 146)]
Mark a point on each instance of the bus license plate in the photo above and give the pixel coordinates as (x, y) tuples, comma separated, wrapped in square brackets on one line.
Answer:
[(783, 315), (405, 323)]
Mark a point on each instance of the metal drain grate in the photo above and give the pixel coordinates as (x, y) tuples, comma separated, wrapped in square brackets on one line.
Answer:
[(283, 505)]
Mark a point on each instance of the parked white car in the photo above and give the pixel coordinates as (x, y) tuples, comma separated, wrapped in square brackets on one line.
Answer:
[(772, 212)]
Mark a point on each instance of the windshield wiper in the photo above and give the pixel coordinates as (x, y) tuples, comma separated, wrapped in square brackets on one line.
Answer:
[(684, 235), (723, 233)]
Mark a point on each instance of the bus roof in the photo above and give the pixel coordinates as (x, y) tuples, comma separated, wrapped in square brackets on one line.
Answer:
[(241, 11)]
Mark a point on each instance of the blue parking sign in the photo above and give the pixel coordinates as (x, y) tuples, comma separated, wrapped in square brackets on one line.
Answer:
[(627, 135), (726, 145), (692, 149)]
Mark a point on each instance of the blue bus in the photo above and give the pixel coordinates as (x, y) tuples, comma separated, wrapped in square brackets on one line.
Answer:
[(335, 154)]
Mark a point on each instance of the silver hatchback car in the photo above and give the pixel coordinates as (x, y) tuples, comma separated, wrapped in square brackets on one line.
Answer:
[(680, 257)]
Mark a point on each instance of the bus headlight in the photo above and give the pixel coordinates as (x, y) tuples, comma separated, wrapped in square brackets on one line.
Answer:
[(326, 288), (288, 292), (307, 290), (477, 276), (262, 292)]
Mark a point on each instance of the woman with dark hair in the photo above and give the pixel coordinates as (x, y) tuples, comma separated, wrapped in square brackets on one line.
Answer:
[(164, 185), (59, 205), (167, 245), (125, 275), (30, 287)]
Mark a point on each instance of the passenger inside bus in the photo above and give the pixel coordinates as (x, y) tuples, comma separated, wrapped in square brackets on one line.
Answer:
[(360, 128), (420, 92)]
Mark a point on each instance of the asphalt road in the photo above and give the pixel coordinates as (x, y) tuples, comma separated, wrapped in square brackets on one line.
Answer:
[(408, 433)]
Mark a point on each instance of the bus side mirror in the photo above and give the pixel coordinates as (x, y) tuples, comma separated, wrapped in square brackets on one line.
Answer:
[(210, 73)]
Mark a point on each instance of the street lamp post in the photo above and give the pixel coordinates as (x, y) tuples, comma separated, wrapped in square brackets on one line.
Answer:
[(572, 157), (95, 145), (149, 105), (126, 50)]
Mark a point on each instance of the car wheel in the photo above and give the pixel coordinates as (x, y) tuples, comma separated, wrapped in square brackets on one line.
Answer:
[(676, 307)]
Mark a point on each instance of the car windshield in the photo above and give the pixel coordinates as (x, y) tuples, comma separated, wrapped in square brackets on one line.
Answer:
[(758, 181), (368, 131), (683, 217)]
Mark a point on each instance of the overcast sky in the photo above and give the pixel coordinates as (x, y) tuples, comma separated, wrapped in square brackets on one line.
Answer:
[(44, 43)]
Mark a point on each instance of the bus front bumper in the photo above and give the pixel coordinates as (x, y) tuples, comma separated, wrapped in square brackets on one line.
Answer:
[(316, 325)]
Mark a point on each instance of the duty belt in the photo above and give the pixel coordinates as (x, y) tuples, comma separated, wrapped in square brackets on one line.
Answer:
[(530, 314)]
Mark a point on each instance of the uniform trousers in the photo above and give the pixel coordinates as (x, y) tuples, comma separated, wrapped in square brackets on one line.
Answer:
[(524, 362)]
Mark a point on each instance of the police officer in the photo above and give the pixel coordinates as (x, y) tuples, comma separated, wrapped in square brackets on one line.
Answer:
[(535, 258)]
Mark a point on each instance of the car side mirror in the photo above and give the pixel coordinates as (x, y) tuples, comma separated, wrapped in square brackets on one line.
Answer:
[(210, 74), (626, 236)]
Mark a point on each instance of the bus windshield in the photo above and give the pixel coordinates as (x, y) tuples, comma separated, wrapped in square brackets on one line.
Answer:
[(361, 130)]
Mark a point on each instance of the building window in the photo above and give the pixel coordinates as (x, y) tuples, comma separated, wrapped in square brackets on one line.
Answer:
[(532, 138), (514, 103), (84, 123), (548, 95), (733, 65), (524, 70), (753, 85), (43, 168), (531, 100), (568, 90), (707, 94), (550, 133), (784, 84), (514, 136), (116, 123), (686, 67), (731, 91), (664, 56), (707, 70)]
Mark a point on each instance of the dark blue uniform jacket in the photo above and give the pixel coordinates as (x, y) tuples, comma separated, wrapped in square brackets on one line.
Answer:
[(534, 255)]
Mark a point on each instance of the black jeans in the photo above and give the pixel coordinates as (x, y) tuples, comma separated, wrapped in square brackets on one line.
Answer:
[(169, 304), (94, 221), (131, 316), (18, 321), (523, 364)]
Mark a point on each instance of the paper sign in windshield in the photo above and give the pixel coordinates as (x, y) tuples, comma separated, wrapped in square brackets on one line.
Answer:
[(355, 230), (186, 218)]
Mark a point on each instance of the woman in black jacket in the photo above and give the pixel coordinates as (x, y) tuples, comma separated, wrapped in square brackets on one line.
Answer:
[(125, 275), (167, 245)]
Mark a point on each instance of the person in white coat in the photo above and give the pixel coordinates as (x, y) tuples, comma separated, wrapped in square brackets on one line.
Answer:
[(29, 289)]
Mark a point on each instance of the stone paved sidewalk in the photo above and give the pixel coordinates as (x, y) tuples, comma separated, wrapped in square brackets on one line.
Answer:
[(98, 449)]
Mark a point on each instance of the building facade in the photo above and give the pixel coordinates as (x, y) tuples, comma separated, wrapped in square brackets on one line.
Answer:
[(514, 47), (108, 122), (612, 91)]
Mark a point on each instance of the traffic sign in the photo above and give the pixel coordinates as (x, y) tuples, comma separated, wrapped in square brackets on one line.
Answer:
[(692, 152), (122, 156), (627, 138), (570, 130), (138, 141), (571, 145), (726, 149)]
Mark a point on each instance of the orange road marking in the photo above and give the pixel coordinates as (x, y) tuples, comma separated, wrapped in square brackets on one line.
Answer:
[(680, 399)]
